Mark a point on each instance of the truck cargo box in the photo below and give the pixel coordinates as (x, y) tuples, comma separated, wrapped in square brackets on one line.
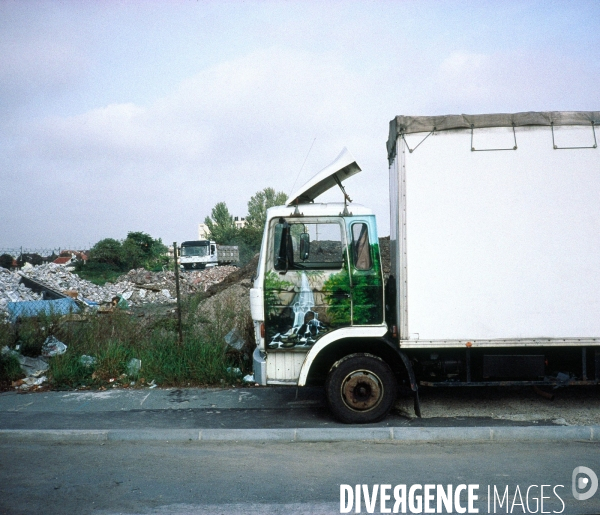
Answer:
[(495, 229), (228, 254)]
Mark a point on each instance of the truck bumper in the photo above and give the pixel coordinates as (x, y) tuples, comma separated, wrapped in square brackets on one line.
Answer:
[(260, 367)]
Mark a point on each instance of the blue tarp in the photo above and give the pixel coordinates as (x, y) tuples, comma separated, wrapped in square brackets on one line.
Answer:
[(32, 308)]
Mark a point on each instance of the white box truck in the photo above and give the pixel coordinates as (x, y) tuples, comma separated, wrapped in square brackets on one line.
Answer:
[(495, 266)]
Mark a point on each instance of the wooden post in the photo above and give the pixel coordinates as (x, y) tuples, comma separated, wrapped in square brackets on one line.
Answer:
[(179, 331)]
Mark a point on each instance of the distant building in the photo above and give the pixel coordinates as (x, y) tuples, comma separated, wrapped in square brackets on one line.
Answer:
[(203, 232), (64, 260), (69, 257), (239, 222)]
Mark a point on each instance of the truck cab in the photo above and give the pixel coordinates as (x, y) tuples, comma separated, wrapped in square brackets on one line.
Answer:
[(318, 295), (198, 254)]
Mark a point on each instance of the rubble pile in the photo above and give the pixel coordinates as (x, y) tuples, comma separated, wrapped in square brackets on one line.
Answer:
[(189, 282), (137, 286), (203, 280), (12, 291)]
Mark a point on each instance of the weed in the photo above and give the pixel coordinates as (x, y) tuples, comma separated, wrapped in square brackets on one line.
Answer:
[(10, 370), (113, 339)]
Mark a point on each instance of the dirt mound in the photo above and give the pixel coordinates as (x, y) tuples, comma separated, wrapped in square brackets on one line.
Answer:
[(241, 275)]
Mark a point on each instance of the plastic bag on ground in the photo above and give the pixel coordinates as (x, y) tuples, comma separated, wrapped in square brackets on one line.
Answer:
[(31, 381), (87, 361), (134, 366), (32, 366), (53, 347), (234, 340), (122, 303)]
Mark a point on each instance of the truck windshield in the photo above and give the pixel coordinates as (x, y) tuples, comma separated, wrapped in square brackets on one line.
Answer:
[(194, 251), (322, 248)]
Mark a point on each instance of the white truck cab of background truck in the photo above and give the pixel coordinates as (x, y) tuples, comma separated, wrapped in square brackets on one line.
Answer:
[(495, 270)]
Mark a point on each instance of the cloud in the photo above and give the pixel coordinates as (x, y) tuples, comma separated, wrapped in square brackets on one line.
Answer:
[(514, 80), (223, 116), (223, 134), (37, 66)]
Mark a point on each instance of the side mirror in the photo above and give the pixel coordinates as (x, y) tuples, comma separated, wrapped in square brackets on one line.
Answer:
[(304, 246)]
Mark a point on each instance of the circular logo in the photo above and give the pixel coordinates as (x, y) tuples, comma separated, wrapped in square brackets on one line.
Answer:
[(583, 478)]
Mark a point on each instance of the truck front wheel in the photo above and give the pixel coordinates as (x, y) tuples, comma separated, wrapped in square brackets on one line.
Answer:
[(360, 388)]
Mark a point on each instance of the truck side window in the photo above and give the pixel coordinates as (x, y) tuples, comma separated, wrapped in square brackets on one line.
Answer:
[(361, 251), (323, 249)]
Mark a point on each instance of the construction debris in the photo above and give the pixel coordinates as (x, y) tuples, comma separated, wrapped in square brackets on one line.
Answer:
[(190, 281), (137, 287), (11, 290)]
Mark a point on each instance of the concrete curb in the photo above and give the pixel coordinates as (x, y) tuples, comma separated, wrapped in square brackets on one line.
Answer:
[(378, 434)]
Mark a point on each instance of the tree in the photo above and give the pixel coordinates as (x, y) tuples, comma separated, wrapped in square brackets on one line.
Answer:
[(257, 215), (221, 225), (107, 251), (258, 205), (6, 261), (141, 250), (137, 250)]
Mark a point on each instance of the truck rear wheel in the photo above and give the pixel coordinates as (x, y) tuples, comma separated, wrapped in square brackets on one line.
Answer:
[(360, 388)]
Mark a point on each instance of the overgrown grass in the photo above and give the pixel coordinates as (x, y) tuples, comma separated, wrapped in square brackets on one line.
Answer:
[(114, 339), (98, 273), (10, 369)]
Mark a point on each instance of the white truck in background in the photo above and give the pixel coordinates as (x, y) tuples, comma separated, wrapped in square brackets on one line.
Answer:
[(201, 254), (495, 269)]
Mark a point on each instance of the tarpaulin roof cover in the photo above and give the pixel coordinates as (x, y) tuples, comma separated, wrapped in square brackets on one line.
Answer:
[(414, 124)]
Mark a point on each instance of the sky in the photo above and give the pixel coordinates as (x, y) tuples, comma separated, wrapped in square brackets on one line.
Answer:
[(120, 116)]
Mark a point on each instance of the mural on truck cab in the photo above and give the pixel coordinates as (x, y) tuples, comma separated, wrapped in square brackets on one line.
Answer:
[(317, 283)]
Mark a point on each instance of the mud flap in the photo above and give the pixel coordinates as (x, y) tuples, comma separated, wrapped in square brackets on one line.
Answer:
[(413, 383)]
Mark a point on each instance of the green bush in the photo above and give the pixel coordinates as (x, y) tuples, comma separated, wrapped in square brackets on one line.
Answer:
[(98, 273), (30, 333), (10, 370)]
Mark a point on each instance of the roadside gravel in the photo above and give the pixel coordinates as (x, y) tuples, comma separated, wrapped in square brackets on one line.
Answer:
[(570, 406)]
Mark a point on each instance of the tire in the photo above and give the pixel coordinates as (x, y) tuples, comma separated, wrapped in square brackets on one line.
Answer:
[(360, 389)]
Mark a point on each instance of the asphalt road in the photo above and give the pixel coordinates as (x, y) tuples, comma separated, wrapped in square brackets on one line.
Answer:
[(274, 478), (276, 407)]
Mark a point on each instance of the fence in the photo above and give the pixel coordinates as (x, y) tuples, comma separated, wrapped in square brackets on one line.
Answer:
[(43, 252)]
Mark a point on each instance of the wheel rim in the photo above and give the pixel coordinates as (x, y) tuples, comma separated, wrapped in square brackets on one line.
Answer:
[(362, 390)]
